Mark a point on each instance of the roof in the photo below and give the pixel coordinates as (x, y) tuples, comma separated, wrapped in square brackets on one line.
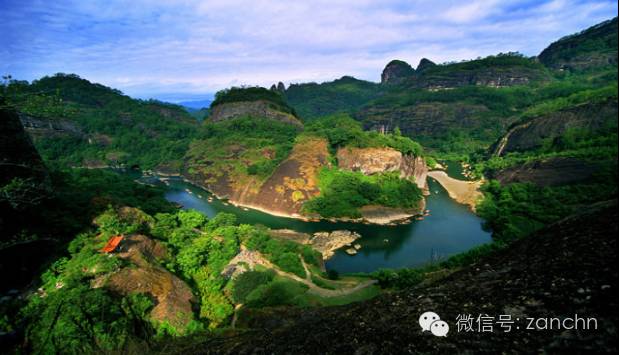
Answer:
[(112, 244)]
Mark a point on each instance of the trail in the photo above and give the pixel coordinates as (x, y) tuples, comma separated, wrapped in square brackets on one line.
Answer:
[(465, 192)]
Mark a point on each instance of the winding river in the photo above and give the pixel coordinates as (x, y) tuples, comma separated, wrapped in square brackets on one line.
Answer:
[(450, 228)]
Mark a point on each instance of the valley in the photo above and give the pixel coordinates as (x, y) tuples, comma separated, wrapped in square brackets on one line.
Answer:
[(344, 207)]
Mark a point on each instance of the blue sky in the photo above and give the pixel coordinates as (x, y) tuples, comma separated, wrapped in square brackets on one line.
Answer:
[(180, 50)]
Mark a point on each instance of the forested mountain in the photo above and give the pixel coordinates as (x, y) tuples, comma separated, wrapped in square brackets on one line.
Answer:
[(79, 123)]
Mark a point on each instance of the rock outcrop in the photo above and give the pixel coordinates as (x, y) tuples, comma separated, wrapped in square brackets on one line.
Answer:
[(548, 172), (424, 64), (258, 109), (533, 133), (173, 296), (292, 183), (423, 120), (395, 72), (371, 161), (324, 242)]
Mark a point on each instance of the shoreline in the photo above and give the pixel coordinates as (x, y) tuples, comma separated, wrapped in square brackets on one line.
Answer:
[(400, 219), (461, 191)]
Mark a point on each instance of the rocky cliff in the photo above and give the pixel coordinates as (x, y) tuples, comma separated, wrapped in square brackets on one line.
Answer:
[(293, 182), (554, 171), (395, 72), (423, 120), (257, 109), (590, 117), (371, 161)]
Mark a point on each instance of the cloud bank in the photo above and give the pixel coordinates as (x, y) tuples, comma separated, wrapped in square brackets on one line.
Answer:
[(178, 50)]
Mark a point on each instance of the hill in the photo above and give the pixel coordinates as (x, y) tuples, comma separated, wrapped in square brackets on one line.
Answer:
[(593, 47), (79, 123)]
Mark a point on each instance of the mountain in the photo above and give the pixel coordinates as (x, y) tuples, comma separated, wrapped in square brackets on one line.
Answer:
[(75, 122), (593, 47), (258, 154), (344, 95), (197, 104), (396, 71)]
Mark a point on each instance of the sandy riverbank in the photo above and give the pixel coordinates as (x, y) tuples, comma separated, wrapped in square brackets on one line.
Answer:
[(465, 192)]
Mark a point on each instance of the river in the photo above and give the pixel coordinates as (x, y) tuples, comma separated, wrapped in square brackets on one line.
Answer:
[(450, 228)]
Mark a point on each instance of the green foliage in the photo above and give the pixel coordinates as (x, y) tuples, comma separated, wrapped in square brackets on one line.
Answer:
[(277, 293), (342, 193), (242, 148), (344, 95), (236, 94), (246, 282), (343, 131), (102, 125), (518, 209)]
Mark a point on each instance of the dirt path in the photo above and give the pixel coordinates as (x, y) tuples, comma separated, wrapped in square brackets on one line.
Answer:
[(465, 192)]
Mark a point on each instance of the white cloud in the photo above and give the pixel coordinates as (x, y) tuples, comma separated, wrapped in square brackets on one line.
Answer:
[(152, 47)]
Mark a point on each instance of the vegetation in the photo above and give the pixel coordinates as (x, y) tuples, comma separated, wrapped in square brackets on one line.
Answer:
[(344, 95), (235, 94), (343, 131), (342, 193), (243, 148), (101, 126)]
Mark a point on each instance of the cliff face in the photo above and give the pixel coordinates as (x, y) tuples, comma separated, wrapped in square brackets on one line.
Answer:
[(532, 134), (259, 109), (292, 183), (396, 71), (548, 172), (492, 77), (371, 161), (18, 156), (423, 120)]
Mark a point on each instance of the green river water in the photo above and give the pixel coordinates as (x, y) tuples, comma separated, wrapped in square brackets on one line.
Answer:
[(451, 228)]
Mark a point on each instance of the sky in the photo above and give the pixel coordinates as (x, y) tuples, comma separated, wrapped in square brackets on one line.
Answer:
[(183, 50)]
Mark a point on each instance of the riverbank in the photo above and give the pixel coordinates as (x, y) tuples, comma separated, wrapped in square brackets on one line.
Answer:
[(464, 192), (373, 215)]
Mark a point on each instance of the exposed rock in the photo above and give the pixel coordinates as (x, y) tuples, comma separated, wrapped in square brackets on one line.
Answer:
[(284, 192), (351, 251), (245, 260), (173, 296), (548, 172), (259, 109), (324, 242), (327, 243), (371, 161), (396, 71), (424, 64), (532, 134), (389, 215), (426, 119)]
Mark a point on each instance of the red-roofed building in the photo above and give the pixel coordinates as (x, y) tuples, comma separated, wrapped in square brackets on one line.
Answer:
[(112, 244)]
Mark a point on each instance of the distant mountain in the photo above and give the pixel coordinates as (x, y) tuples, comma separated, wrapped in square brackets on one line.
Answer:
[(197, 104), (346, 94), (593, 47)]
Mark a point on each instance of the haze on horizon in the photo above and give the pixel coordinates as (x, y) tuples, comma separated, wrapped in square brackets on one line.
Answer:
[(184, 50)]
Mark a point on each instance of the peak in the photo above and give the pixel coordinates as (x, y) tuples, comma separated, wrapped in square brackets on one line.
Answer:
[(424, 64), (395, 71)]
